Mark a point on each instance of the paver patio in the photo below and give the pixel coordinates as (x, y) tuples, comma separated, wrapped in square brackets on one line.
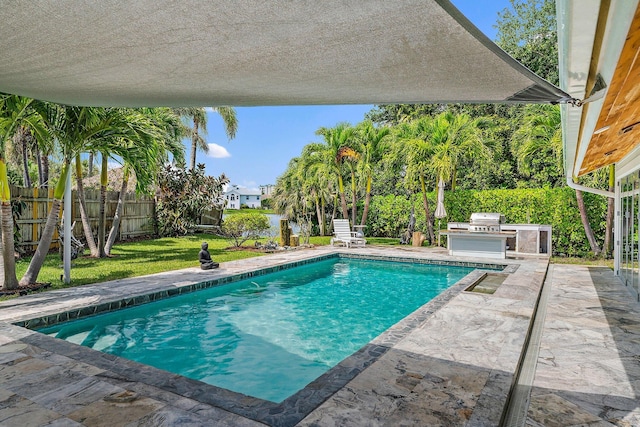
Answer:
[(452, 362)]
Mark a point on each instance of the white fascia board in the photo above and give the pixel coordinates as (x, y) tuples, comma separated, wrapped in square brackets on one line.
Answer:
[(576, 34), (577, 20)]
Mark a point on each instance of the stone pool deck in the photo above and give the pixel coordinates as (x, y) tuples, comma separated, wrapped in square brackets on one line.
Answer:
[(451, 363)]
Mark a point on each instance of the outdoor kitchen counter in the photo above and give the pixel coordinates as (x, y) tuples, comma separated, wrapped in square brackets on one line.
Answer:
[(484, 244)]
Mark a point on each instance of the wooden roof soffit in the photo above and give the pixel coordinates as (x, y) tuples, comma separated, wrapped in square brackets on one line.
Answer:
[(618, 126)]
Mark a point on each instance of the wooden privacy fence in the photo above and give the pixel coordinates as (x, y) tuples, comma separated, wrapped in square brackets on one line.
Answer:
[(136, 216)]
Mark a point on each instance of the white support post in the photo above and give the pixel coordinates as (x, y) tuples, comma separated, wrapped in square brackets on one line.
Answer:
[(617, 229), (67, 231)]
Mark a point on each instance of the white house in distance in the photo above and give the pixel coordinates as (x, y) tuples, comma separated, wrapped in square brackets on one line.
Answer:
[(266, 190), (237, 196)]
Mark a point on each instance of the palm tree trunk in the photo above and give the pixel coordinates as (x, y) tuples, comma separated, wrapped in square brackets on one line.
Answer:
[(86, 226), (354, 204), (1, 264), (319, 214), (115, 227), (323, 223), (427, 211), (194, 145), (23, 137), (102, 218), (453, 180), (90, 170), (367, 201), (8, 248), (334, 212), (31, 275), (40, 170), (343, 199), (39, 256), (6, 222), (585, 223), (45, 170), (607, 246)]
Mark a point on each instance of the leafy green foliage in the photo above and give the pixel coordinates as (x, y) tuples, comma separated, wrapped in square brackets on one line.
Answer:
[(554, 206), (522, 148), (267, 204), (527, 31), (13, 175), (184, 196), (242, 227)]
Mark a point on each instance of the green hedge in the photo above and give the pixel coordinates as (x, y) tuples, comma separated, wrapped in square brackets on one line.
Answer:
[(389, 215)]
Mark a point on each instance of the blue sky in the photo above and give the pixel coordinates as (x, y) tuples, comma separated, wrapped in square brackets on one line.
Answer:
[(268, 137)]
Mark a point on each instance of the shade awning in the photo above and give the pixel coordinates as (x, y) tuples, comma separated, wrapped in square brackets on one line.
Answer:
[(248, 52)]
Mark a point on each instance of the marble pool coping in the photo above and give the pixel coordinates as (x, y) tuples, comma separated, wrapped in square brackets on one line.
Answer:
[(510, 308)]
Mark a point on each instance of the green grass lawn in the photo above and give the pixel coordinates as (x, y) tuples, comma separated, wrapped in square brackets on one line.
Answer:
[(136, 259), (252, 211), (599, 261), (150, 256)]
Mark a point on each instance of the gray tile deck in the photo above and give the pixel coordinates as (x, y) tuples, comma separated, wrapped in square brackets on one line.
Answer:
[(588, 370), (452, 362)]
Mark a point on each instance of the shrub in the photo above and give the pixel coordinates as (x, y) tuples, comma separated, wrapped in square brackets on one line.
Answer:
[(266, 203), (244, 226), (558, 207), (184, 196)]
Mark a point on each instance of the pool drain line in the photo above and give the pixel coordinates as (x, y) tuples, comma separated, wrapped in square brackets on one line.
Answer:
[(518, 404)]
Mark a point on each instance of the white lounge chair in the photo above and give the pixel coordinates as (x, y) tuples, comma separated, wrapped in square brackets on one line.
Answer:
[(342, 234)]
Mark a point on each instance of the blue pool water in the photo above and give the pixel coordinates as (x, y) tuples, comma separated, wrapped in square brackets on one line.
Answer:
[(271, 335)]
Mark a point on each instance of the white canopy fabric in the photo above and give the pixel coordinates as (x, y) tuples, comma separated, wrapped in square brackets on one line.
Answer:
[(249, 52)]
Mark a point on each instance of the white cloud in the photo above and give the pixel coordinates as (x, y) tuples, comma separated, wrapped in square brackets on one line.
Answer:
[(218, 151), (113, 165)]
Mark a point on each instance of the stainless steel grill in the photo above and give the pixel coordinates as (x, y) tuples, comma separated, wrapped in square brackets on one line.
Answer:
[(485, 221)]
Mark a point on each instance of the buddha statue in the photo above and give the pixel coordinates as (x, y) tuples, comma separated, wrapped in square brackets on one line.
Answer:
[(206, 263)]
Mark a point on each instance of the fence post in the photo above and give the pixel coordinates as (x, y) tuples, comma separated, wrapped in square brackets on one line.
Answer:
[(141, 211), (34, 209)]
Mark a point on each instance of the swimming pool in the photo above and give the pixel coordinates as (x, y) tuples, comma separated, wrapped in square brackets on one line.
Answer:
[(270, 335)]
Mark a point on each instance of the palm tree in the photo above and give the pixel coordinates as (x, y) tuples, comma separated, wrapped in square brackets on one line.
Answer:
[(165, 128), (198, 116), (419, 150), (540, 137), (115, 226), (70, 126), (82, 203), (372, 147), (288, 195), (77, 129), (15, 111), (454, 137), (137, 137), (352, 157), (316, 176), (31, 275), (541, 132), (23, 144), (338, 142)]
